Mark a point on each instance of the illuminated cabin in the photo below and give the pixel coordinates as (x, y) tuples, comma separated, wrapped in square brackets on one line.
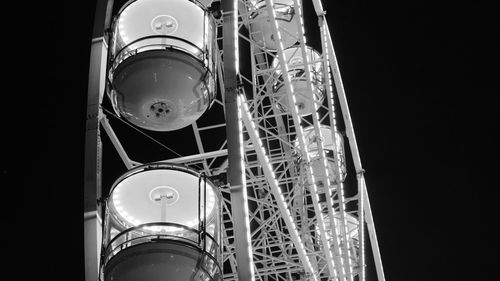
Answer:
[(162, 222), (260, 29), (162, 63), (297, 73), (330, 144)]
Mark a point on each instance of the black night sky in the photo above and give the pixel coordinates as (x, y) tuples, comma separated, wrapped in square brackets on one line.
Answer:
[(421, 82)]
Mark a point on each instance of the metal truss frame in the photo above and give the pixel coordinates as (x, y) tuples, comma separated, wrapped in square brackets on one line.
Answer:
[(293, 235)]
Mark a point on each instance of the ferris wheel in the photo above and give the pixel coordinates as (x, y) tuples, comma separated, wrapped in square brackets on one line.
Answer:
[(219, 146)]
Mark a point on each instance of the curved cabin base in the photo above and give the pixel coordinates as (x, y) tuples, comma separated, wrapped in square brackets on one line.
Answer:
[(161, 90), (164, 260)]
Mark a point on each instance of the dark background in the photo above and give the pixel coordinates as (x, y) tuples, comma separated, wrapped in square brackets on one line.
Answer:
[(421, 82)]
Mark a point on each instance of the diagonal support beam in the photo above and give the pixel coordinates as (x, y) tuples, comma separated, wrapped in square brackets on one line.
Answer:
[(275, 189), (117, 144), (371, 232)]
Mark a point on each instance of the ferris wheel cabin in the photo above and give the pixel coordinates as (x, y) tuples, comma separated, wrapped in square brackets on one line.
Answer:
[(162, 63)]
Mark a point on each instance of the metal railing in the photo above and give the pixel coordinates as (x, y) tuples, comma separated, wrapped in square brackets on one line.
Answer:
[(141, 235)]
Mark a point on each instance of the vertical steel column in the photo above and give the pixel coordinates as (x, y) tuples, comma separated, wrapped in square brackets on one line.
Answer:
[(92, 180), (235, 171), (92, 184)]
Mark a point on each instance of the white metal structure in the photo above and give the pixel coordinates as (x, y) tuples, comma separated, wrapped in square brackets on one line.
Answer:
[(291, 216)]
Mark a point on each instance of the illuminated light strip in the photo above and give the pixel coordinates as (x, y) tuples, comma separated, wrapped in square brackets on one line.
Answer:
[(275, 189), (337, 166), (340, 190), (121, 24), (243, 186), (235, 36), (205, 33), (322, 155)]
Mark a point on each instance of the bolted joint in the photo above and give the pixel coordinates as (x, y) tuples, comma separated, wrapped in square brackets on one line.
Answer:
[(215, 10), (321, 18), (360, 173)]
